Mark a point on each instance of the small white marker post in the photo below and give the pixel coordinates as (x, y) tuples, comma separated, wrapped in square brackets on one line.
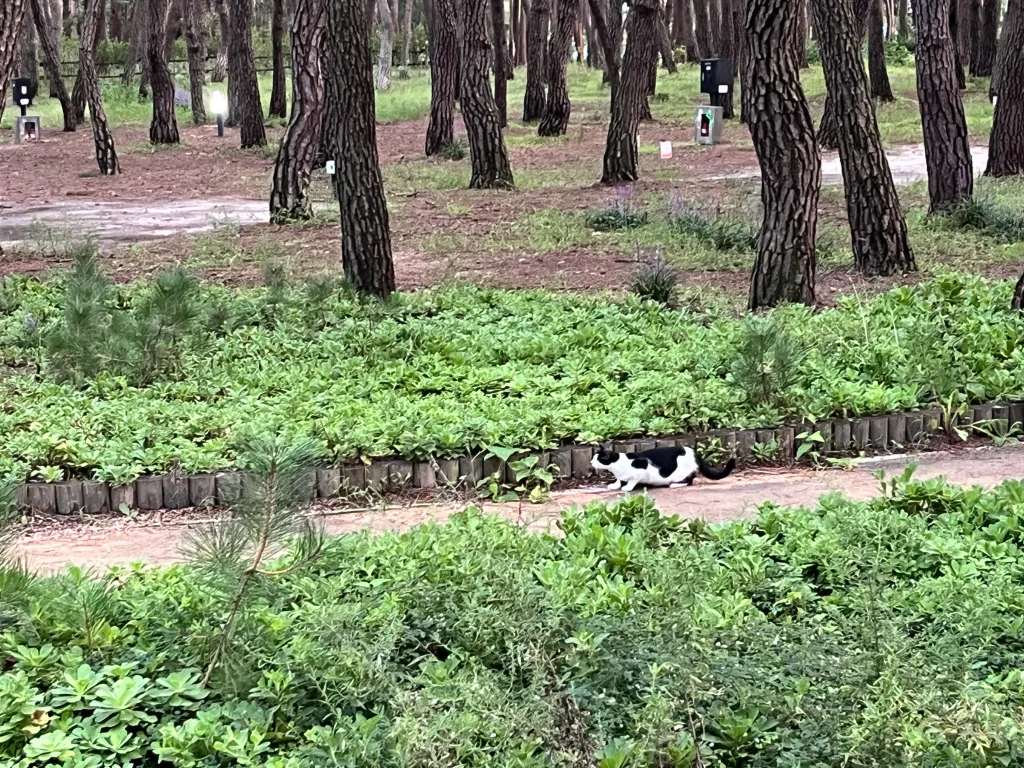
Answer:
[(330, 168)]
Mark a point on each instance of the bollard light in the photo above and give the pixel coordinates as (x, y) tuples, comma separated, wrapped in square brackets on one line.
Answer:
[(219, 107)]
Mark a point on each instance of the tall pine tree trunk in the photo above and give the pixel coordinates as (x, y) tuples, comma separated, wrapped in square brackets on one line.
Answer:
[(984, 58), (629, 98), (79, 96), (195, 41), (51, 61), (877, 226), (487, 154), (728, 52), (278, 96), (783, 135), (106, 154), (803, 31), (968, 12), (386, 51), (954, 33), (500, 60), (946, 148), (715, 26), (444, 70), (1018, 295), (1006, 146), (739, 43), (348, 75), (705, 40), (877, 72), (555, 120), (220, 64), (28, 58), (538, 19), (297, 153), (242, 80), (163, 129), (403, 71), (665, 46), (904, 13), (608, 39), (12, 15)]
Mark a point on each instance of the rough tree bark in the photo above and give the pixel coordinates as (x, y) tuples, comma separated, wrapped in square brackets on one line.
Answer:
[(248, 114), (163, 129), (386, 52), (968, 12), (946, 148), (444, 69), (728, 52), (803, 31), (51, 61), (278, 97), (557, 108), (138, 34), (608, 39), (783, 135), (904, 13), (828, 128), (79, 97), (487, 154), (28, 59), (348, 75), (195, 41), (705, 41), (106, 154), (954, 32), (297, 153), (877, 72), (403, 71), (500, 45), (620, 154), (1006, 146), (12, 15), (715, 26), (984, 58), (877, 226), (665, 46), (220, 64), (682, 29), (1018, 295), (538, 18), (739, 43)]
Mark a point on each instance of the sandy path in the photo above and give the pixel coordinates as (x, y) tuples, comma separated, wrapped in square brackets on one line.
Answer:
[(734, 498)]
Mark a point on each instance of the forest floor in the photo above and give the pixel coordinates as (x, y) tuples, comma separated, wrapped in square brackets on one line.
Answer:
[(117, 540), (202, 204)]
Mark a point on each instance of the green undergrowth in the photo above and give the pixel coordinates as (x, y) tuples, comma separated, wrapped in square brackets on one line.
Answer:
[(112, 381), (886, 633)]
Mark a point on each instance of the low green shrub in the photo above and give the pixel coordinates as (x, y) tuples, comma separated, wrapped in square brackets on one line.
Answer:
[(879, 633), (987, 217), (622, 214), (725, 233), (657, 281), (451, 371)]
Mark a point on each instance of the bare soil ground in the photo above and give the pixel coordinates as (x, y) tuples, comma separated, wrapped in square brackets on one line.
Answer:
[(156, 540)]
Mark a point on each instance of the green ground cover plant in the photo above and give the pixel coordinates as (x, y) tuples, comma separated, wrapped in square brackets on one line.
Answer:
[(113, 381), (886, 633)]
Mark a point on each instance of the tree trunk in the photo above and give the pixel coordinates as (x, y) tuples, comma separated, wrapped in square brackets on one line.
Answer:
[(878, 74), (715, 26), (904, 22), (954, 33), (487, 155), (537, 22), (51, 61), (386, 32), (403, 71), (163, 129), (278, 96), (803, 31), (1006, 147), (138, 33), (877, 226), (684, 18), (500, 61), (297, 153), (621, 153), (12, 15), (984, 57), (609, 40), (739, 43), (79, 96), (557, 108), (783, 136), (665, 44), (242, 80), (1018, 295), (106, 155), (220, 64), (705, 41), (195, 40), (348, 75), (28, 58), (968, 12), (444, 68), (728, 52), (946, 148)]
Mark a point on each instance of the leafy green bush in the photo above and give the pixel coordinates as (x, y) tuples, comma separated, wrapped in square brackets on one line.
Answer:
[(987, 217), (457, 149), (899, 51), (451, 371), (813, 53), (622, 214), (869, 634), (723, 232)]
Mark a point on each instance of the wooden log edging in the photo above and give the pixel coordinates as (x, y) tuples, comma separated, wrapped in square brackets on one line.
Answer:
[(770, 445)]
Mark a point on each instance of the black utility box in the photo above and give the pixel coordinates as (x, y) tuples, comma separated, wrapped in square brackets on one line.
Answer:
[(716, 79)]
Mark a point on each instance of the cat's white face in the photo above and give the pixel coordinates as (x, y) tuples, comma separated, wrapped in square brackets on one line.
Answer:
[(605, 459)]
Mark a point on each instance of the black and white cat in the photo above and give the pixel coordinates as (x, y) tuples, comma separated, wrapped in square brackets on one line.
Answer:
[(674, 467)]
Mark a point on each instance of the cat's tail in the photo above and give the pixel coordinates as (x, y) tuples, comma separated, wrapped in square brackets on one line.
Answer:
[(715, 474)]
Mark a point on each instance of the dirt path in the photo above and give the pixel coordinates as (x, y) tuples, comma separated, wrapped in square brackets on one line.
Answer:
[(106, 542)]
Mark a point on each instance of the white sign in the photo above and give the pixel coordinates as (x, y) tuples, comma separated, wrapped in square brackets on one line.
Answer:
[(330, 168), (666, 150), (723, 89)]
